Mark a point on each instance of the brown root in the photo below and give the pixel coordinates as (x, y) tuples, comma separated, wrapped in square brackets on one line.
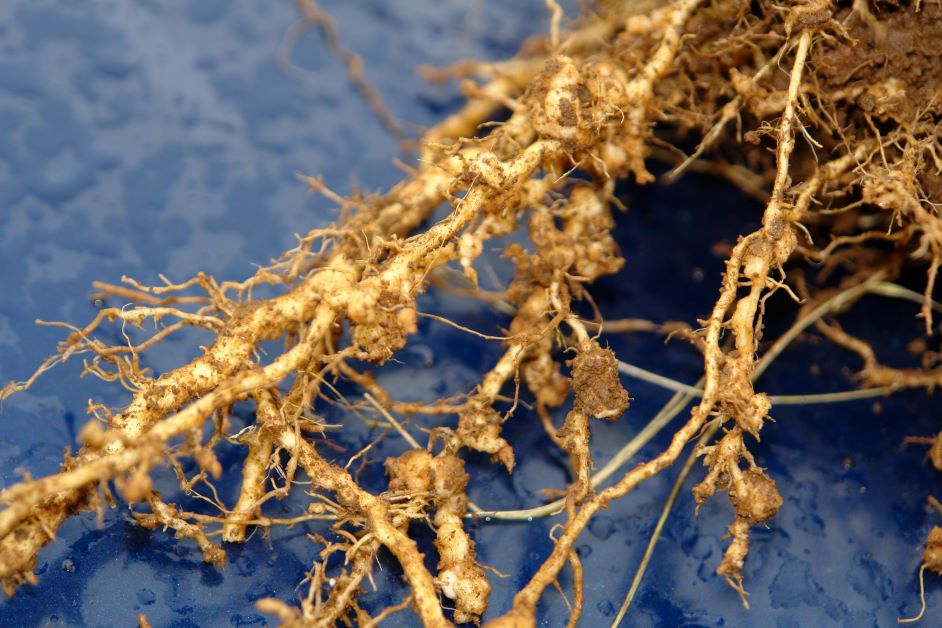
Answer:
[(827, 111)]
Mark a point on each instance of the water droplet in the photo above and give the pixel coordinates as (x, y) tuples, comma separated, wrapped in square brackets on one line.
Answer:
[(606, 608), (146, 597), (68, 565), (602, 527)]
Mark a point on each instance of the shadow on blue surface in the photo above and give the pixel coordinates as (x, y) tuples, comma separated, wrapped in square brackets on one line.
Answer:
[(146, 138)]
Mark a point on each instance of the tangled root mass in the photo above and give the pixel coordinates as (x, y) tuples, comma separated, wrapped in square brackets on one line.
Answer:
[(829, 112)]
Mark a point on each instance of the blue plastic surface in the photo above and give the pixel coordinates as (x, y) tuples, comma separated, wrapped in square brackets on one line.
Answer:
[(163, 137)]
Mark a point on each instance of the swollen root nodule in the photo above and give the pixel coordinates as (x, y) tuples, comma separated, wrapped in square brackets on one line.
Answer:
[(828, 111)]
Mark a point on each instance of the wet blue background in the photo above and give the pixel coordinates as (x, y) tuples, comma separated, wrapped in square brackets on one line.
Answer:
[(163, 137)]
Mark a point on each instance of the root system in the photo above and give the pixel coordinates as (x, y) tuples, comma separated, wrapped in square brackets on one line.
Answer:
[(829, 112)]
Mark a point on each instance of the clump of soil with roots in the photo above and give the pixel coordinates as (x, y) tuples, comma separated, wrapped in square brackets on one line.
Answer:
[(829, 112)]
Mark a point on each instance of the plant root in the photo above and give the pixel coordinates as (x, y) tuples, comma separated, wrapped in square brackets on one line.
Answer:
[(826, 110)]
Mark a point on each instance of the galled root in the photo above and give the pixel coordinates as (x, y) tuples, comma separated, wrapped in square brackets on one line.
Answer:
[(828, 111)]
